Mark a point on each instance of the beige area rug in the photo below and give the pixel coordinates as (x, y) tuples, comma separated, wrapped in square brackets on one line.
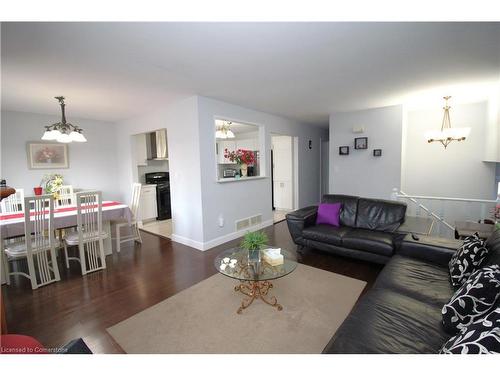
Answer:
[(203, 319)]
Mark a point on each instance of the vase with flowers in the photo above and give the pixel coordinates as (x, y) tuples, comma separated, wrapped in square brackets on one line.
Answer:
[(53, 183), (244, 159)]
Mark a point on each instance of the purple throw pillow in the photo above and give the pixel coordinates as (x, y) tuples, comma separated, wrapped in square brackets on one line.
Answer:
[(329, 213)]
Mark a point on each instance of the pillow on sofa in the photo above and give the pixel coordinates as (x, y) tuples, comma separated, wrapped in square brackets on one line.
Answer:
[(475, 298), (481, 337), (467, 259), (329, 213)]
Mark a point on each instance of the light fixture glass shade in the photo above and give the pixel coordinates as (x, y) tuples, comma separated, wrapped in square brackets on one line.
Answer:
[(220, 134), (64, 138), (229, 134), (51, 135), (77, 136)]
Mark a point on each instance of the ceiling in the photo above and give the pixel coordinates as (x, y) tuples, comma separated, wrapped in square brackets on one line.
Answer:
[(304, 71)]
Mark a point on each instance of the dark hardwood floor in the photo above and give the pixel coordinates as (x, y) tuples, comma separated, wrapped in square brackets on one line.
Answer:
[(137, 278)]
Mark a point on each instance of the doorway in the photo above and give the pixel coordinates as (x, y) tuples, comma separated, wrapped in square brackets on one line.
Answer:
[(282, 176)]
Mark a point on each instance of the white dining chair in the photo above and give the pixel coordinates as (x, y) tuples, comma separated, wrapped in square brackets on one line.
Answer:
[(14, 203), (89, 235), (134, 228), (66, 196), (38, 248)]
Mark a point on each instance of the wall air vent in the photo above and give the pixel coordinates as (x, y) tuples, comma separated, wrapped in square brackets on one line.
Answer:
[(242, 224), (248, 222)]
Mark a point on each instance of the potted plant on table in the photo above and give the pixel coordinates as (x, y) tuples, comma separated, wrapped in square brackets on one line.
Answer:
[(254, 242), (244, 159)]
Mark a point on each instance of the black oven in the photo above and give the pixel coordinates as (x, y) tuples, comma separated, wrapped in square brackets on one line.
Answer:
[(162, 181)]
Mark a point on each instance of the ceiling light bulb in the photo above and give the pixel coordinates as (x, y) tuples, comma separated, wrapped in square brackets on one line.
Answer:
[(47, 136)]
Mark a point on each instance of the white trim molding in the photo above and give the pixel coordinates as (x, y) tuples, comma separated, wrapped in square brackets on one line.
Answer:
[(202, 246)]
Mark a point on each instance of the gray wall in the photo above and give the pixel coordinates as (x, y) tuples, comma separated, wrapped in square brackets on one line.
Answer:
[(92, 165), (237, 200), (360, 173), (459, 171), (181, 121)]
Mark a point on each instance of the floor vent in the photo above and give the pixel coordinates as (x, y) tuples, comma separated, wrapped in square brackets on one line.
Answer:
[(248, 222)]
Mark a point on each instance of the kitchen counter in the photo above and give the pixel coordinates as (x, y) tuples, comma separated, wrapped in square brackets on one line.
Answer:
[(233, 179)]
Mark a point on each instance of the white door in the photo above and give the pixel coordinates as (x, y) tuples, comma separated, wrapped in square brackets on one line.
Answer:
[(282, 172)]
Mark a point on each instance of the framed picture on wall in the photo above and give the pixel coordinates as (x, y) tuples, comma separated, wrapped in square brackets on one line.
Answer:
[(361, 143), (47, 155), (377, 152), (344, 150)]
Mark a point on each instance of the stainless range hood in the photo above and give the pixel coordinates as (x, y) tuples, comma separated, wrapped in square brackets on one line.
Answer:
[(156, 145)]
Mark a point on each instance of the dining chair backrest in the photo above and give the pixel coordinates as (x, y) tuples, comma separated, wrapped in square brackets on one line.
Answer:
[(136, 196), (66, 196), (89, 214), (39, 237), (14, 203)]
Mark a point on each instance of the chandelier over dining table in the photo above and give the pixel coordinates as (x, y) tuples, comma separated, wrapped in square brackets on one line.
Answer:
[(63, 131)]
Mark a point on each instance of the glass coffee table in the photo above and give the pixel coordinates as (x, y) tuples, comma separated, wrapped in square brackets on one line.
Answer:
[(253, 273)]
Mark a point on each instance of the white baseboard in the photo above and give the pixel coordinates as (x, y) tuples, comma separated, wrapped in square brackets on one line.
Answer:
[(219, 240)]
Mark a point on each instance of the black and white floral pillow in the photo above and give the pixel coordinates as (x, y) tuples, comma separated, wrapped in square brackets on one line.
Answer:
[(481, 337), (474, 299), (467, 259)]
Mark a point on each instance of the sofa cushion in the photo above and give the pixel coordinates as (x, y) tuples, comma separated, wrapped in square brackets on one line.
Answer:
[(329, 213), (493, 246), (380, 214), (349, 207), (420, 279), (325, 233), (481, 337), (369, 240), (385, 321), (475, 298), (467, 259)]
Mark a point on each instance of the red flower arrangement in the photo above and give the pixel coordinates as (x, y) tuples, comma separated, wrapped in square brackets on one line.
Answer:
[(240, 156)]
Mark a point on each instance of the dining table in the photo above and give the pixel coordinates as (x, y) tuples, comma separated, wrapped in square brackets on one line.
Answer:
[(12, 224)]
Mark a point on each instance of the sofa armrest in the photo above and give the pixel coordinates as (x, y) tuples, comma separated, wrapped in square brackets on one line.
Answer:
[(432, 249), (300, 219)]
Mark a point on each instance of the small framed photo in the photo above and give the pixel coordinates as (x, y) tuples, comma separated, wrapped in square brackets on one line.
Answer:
[(377, 152), (344, 150), (47, 155), (361, 143)]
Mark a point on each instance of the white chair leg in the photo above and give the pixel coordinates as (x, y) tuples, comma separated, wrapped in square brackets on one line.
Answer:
[(139, 238), (101, 251), (66, 254), (83, 261), (118, 244), (32, 273), (55, 265)]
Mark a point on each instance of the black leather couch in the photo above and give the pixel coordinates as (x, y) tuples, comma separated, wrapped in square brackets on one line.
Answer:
[(402, 312), (367, 228)]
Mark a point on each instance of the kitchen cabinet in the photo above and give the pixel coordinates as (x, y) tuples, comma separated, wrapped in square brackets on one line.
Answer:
[(141, 154), (147, 203)]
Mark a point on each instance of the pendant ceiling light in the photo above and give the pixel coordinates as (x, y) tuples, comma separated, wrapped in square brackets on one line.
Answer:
[(63, 131), (224, 131), (447, 133)]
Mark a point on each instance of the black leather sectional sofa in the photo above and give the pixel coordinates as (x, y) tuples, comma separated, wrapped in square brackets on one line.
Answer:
[(402, 312), (367, 228)]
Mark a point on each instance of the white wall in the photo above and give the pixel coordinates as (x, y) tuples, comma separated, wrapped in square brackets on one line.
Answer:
[(181, 121), (282, 147), (458, 171), (360, 173), (92, 165), (236, 200)]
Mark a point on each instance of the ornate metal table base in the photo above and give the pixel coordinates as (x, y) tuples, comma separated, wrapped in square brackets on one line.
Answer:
[(254, 290)]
